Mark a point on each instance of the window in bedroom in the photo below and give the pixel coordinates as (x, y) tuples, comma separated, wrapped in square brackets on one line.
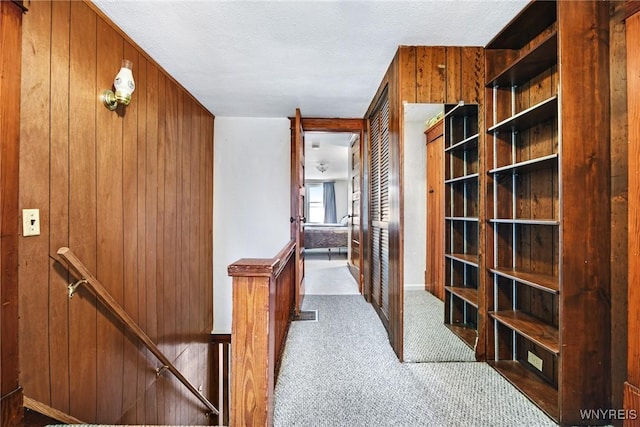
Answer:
[(315, 203)]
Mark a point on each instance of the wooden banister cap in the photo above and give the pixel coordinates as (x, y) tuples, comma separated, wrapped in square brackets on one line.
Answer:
[(251, 267)]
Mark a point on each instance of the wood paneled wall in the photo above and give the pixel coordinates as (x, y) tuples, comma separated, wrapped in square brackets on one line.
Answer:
[(10, 51), (131, 193)]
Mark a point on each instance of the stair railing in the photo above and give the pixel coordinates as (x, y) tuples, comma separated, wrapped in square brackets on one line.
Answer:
[(90, 281)]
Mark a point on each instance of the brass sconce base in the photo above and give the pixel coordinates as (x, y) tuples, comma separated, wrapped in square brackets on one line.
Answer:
[(109, 99)]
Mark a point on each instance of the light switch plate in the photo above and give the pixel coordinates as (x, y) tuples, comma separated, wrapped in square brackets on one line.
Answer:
[(535, 361), (30, 222)]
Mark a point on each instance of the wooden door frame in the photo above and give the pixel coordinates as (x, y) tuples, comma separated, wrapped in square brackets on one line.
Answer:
[(10, 61), (353, 125)]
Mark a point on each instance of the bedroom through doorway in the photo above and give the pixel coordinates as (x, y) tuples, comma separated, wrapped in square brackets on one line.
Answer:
[(330, 223)]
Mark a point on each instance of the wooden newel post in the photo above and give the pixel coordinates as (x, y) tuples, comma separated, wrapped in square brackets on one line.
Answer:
[(253, 341)]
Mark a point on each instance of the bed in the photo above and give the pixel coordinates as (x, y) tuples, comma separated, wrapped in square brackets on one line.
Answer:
[(326, 236)]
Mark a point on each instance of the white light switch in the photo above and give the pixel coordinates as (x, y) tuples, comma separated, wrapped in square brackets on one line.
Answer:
[(30, 222)]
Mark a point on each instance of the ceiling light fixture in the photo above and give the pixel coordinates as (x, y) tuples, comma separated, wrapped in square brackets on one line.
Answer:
[(322, 167), (124, 86)]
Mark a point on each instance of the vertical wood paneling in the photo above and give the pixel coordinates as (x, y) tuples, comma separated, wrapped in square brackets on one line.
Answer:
[(587, 152), (10, 66), (151, 201), (132, 349), (34, 190), (472, 80), (202, 221), (453, 81), (185, 235), (408, 70), (59, 205), (208, 223), (632, 400), (109, 226), (116, 187), (619, 197), (170, 227), (431, 74), (144, 373), (82, 208), (194, 231)]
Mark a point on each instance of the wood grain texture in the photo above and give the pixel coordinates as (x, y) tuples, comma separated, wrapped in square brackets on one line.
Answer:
[(253, 355), (112, 186), (586, 249), (59, 203), (82, 208), (263, 305), (331, 125), (431, 72), (109, 226), (111, 304), (631, 405), (619, 197), (633, 105), (34, 189), (435, 210), (10, 66)]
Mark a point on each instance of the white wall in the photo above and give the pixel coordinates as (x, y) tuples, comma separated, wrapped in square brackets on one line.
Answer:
[(342, 198), (415, 177), (251, 199)]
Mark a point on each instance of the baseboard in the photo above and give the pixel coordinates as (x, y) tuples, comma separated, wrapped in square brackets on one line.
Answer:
[(414, 287)]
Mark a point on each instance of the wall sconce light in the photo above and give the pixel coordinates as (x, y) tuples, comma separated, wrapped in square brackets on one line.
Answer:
[(124, 85)]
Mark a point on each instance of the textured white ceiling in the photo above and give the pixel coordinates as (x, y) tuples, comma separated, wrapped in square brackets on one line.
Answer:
[(266, 58), (334, 151)]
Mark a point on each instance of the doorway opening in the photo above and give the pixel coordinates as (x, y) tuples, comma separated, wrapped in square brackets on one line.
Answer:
[(332, 203)]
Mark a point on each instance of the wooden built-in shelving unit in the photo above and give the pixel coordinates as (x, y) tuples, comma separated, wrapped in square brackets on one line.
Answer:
[(461, 182), (546, 255)]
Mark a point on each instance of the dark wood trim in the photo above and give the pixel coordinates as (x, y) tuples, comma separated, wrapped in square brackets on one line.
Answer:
[(249, 267), (631, 7), (220, 338), (283, 257), (11, 410), (332, 124), (50, 412), (263, 305), (10, 69), (632, 391), (20, 4)]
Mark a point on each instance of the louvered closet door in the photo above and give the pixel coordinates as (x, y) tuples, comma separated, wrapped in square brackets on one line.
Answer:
[(379, 210)]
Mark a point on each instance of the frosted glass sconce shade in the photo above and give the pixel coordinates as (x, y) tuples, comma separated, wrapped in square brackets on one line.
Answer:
[(124, 85)]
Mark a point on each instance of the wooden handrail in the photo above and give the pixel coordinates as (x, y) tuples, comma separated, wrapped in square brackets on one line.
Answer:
[(263, 302), (103, 295)]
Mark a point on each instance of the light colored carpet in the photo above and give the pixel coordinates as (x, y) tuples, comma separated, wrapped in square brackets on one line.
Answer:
[(341, 371), (324, 277), (474, 394), (426, 339)]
